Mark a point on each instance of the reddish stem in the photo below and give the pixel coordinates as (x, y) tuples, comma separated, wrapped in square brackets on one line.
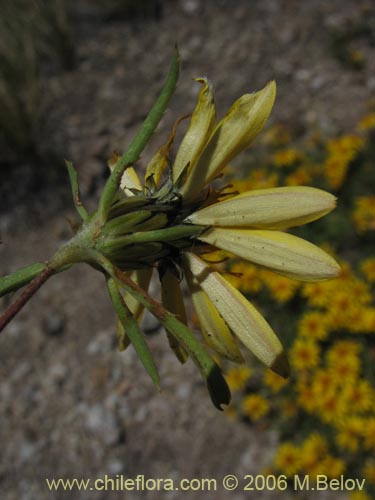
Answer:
[(18, 304)]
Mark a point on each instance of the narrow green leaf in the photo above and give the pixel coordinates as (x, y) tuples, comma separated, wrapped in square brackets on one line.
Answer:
[(210, 371), (20, 278), (140, 140), (132, 329), (75, 190)]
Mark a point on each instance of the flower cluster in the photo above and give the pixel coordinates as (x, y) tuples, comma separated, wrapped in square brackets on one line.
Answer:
[(329, 332), (169, 222)]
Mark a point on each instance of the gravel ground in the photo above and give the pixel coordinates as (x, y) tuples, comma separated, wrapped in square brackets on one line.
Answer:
[(70, 404)]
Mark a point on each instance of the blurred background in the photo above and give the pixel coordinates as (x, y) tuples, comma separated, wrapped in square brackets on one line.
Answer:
[(77, 78)]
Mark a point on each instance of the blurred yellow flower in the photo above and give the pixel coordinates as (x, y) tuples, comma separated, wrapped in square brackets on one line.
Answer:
[(282, 289), (364, 213), (368, 433), (333, 466), (312, 324), (341, 151), (349, 433), (367, 122), (288, 458), (368, 269), (238, 376), (257, 179), (246, 277), (298, 178), (359, 495), (313, 449), (255, 406), (304, 354), (274, 381), (345, 350), (324, 382), (286, 157), (305, 396), (360, 396), (331, 407)]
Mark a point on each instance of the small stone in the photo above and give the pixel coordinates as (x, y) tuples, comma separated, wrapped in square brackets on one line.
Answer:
[(103, 424), (54, 323)]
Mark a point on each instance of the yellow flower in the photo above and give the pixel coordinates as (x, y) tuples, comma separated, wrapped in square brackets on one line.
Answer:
[(349, 433), (247, 278), (203, 218), (288, 459), (333, 466), (359, 495), (335, 170), (367, 122), (274, 381), (331, 407), (313, 449), (282, 289), (305, 396), (345, 146), (255, 406), (341, 152), (360, 396), (324, 382), (207, 148), (298, 178), (238, 376), (368, 269), (315, 445), (364, 213), (368, 433), (343, 360), (286, 157), (304, 354), (258, 179), (343, 350), (313, 325)]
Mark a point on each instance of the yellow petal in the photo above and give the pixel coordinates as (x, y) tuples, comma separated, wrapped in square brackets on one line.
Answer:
[(284, 253), (160, 160), (142, 278), (235, 132), (129, 179), (214, 329), (274, 208), (173, 301), (201, 126), (241, 317)]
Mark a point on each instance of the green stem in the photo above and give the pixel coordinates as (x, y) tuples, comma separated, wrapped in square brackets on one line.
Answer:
[(216, 383), (20, 278), (140, 140), (132, 329), (75, 190)]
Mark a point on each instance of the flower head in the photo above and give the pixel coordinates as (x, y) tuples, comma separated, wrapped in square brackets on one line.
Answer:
[(184, 214), (173, 218)]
